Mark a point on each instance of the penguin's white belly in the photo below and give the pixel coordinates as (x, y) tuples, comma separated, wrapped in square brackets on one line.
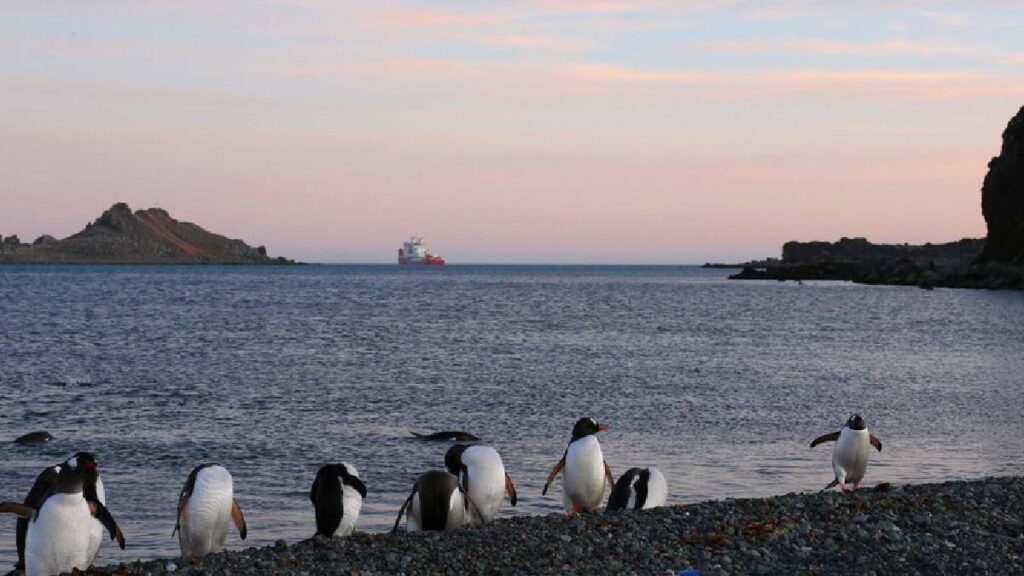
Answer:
[(456, 511), (850, 457), (96, 528), (486, 483), (58, 537), (413, 515), (583, 478), (208, 513), (657, 490), (351, 503)]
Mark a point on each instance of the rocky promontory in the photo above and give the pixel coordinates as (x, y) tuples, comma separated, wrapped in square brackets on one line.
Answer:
[(151, 236), (994, 262), (972, 527), (1002, 197)]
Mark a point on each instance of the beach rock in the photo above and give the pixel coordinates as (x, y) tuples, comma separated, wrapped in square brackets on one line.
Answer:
[(974, 528), (33, 438), (1002, 197)]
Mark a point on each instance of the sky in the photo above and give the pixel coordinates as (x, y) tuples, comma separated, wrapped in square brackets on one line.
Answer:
[(577, 131)]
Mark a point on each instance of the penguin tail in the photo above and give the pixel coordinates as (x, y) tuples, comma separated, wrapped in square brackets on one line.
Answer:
[(831, 484)]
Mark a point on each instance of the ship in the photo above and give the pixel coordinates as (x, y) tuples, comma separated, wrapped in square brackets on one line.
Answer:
[(415, 251)]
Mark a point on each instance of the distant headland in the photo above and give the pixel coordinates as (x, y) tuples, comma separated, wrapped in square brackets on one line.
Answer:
[(996, 261), (120, 236)]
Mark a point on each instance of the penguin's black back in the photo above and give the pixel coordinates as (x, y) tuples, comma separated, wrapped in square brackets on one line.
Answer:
[(328, 502), (435, 488), (619, 498)]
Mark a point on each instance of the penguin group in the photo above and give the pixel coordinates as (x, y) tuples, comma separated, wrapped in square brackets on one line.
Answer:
[(62, 520)]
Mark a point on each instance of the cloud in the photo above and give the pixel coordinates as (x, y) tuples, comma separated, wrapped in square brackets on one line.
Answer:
[(838, 48)]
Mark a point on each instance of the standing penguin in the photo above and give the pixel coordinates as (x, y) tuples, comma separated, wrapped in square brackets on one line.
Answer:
[(850, 456), (205, 506), (482, 474), (58, 537), (638, 488), (437, 502), (585, 470), (337, 495), (47, 482)]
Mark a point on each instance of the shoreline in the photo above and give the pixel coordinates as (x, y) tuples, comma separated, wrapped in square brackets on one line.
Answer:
[(969, 527)]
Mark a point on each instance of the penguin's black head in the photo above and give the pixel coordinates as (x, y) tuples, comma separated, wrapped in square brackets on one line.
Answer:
[(73, 473), (856, 423), (586, 427)]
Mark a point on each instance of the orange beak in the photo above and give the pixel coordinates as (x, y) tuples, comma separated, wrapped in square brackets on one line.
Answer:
[(602, 427)]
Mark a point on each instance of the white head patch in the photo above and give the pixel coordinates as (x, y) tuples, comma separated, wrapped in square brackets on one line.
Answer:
[(72, 462)]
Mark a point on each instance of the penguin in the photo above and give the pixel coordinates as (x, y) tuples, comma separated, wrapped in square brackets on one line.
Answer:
[(205, 506), (637, 489), (45, 483), (337, 496), (34, 438), (58, 538), (850, 456), (483, 477), (584, 470), (437, 502)]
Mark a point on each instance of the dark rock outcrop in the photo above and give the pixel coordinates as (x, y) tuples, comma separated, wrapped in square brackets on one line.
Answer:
[(120, 236), (1002, 197)]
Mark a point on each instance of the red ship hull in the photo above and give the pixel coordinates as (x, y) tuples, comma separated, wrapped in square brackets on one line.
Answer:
[(428, 260)]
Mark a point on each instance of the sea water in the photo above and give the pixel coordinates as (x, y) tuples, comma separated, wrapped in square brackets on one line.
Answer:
[(273, 371)]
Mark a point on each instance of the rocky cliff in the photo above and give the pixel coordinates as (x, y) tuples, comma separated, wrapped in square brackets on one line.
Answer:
[(120, 236), (1002, 197)]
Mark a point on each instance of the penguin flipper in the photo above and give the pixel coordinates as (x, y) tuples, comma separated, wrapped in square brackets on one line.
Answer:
[(100, 512), (403, 508), (830, 437), (15, 508), (470, 503), (356, 483), (554, 472), (832, 484), (510, 488), (238, 519), (876, 442), (608, 474), (182, 514)]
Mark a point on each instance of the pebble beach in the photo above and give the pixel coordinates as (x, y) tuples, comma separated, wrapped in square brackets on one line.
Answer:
[(961, 527)]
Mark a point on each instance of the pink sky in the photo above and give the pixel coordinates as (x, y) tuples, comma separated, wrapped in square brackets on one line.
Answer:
[(536, 132)]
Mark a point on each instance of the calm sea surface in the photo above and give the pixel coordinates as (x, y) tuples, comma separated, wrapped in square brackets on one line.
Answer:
[(273, 371)]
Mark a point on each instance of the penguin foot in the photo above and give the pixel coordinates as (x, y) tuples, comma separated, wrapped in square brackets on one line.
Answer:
[(856, 484)]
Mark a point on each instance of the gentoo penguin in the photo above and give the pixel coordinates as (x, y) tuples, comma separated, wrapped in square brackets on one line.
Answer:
[(337, 495), (584, 471), (437, 502), (850, 456), (205, 506), (638, 488), (58, 538), (45, 483), (483, 477)]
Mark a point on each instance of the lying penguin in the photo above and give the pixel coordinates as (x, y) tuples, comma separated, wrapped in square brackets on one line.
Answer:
[(337, 495), (45, 483), (482, 474), (58, 536), (638, 488), (584, 470), (437, 502), (205, 507), (850, 456)]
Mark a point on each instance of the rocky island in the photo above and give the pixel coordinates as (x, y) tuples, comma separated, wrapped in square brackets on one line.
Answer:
[(996, 261), (120, 236)]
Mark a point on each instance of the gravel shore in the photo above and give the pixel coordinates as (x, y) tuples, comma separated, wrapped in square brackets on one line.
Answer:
[(974, 527)]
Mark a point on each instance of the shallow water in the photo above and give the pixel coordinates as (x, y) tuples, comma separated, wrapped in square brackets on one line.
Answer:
[(273, 371)]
